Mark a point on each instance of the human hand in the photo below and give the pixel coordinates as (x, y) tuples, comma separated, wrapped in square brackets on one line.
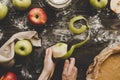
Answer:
[(69, 70), (49, 66)]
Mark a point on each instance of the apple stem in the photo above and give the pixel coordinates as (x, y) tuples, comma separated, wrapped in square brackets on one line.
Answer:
[(98, 0), (22, 48), (36, 16)]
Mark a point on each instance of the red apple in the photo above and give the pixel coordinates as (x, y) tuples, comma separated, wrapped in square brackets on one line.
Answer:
[(37, 16), (10, 76)]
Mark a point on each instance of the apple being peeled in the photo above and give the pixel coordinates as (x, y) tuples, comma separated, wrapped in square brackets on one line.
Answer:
[(3, 11), (37, 16), (21, 4), (98, 4), (10, 76), (59, 50), (23, 47)]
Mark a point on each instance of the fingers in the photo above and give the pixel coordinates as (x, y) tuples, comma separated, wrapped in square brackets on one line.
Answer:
[(74, 71), (69, 70), (49, 65), (71, 65), (66, 65), (48, 53)]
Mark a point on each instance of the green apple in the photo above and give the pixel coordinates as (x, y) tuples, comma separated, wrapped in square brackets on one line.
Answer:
[(98, 4), (3, 11), (23, 47), (59, 50), (21, 4)]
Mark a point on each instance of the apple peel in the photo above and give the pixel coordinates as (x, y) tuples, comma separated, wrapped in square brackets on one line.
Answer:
[(69, 53), (60, 49), (76, 30)]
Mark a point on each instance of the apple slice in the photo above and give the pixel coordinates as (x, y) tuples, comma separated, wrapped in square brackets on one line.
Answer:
[(115, 6), (59, 50)]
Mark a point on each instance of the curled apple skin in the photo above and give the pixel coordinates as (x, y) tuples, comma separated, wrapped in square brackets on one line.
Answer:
[(60, 49), (75, 30)]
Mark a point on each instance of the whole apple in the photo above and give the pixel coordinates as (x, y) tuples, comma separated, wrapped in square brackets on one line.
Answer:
[(23, 47), (98, 4), (37, 16), (21, 4), (3, 11), (10, 76)]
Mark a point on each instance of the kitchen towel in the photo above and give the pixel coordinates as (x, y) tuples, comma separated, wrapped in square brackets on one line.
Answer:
[(7, 50)]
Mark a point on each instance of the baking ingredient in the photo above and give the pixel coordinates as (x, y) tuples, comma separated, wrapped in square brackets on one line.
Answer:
[(3, 11), (59, 4), (21, 4), (23, 47), (98, 4), (37, 16)]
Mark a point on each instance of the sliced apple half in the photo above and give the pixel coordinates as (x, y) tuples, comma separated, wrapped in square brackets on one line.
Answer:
[(59, 50), (115, 6)]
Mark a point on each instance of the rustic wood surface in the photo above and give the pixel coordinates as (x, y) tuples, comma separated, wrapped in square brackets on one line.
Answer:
[(29, 68)]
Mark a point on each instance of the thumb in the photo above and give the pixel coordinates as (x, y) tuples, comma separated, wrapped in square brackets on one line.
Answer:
[(48, 53)]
